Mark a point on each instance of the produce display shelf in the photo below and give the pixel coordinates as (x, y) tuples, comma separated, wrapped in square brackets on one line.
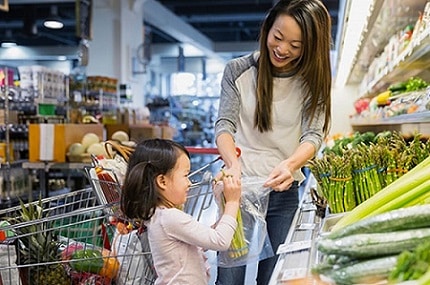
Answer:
[(298, 253), (420, 117)]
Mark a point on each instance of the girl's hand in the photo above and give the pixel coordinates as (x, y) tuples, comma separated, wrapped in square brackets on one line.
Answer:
[(218, 185), (235, 172), (281, 178), (232, 188)]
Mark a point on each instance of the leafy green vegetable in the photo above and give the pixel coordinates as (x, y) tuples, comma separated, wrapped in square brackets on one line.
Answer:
[(87, 260), (411, 265), (415, 83)]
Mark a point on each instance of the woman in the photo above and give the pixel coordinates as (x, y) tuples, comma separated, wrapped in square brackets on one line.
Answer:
[(275, 105)]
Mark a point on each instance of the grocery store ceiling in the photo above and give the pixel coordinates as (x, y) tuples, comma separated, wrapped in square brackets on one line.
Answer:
[(224, 22)]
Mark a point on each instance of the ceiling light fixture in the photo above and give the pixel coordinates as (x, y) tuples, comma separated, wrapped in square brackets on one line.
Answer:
[(8, 41), (53, 21)]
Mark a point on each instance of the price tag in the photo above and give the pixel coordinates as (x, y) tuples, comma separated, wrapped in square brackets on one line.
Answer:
[(308, 207), (294, 246), (306, 226), (294, 273)]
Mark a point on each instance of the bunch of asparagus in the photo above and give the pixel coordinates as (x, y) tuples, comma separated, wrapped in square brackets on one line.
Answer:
[(352, 175)]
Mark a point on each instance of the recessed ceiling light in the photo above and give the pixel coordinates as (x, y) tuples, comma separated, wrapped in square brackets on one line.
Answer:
[(53, 24), (8, 41), (7, 44), (53, 21)]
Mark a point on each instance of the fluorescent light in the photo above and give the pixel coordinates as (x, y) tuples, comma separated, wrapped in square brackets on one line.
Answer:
[(53, 24), (8, 41), (53, 21), (7, 44), (357, 15)]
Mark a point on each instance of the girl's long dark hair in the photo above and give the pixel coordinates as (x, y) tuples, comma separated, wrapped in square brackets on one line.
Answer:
[(313, 65), (139, 194)]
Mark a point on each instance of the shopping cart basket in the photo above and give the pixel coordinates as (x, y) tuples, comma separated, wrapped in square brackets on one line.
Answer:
[(70, 239)]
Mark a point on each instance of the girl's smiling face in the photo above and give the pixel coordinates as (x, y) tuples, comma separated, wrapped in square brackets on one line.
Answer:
[(177, 182), (284, 42)]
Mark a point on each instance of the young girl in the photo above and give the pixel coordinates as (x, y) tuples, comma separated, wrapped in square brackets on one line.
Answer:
[(155, 188)]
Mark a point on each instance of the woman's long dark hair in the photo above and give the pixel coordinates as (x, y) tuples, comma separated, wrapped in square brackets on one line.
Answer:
[(313, 65), (140, 195)]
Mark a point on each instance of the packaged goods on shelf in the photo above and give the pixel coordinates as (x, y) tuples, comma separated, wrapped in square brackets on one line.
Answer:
[(46, 85), (104, 83), (10, 74)]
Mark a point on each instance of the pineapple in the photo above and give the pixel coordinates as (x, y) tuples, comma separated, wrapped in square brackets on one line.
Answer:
[(36, 244)]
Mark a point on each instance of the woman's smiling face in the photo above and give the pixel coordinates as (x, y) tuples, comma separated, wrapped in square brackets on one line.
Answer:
[(284, 42)]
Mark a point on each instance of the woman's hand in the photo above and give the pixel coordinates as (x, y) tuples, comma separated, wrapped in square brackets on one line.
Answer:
[(281, 178)]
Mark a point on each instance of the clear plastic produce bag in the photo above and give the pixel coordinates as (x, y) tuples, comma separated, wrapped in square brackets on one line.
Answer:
[(250, 242)]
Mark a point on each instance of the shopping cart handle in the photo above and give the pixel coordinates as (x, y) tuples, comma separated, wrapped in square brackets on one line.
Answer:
[(202, 150), (208, 150)]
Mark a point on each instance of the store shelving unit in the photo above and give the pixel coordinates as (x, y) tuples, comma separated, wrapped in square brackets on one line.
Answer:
[(388, 17), (14, 181)]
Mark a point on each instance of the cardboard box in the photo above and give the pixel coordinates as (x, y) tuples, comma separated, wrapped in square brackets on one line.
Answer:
[(167, 132), (112, 128), (49, 142), (144, 132)]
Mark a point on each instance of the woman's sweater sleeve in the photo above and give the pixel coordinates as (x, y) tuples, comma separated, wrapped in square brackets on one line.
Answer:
[(229, 106), (312, 130)]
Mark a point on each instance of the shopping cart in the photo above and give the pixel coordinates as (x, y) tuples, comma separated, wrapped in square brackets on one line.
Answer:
[(70, 239), (82, 237)]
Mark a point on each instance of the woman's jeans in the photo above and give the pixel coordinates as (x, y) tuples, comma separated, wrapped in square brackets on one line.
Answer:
[(280, 213)]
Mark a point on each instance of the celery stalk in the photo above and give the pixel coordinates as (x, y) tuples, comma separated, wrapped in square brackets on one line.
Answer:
[(421, 200), (404, 199), (425, 279), (416, 176)]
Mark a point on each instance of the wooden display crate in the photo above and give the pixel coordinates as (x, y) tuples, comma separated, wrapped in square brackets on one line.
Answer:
[(49, 142)]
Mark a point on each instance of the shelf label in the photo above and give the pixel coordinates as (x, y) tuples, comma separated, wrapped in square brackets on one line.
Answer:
[(306, 226), (294, 273), (294, 246), (308, 207)]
